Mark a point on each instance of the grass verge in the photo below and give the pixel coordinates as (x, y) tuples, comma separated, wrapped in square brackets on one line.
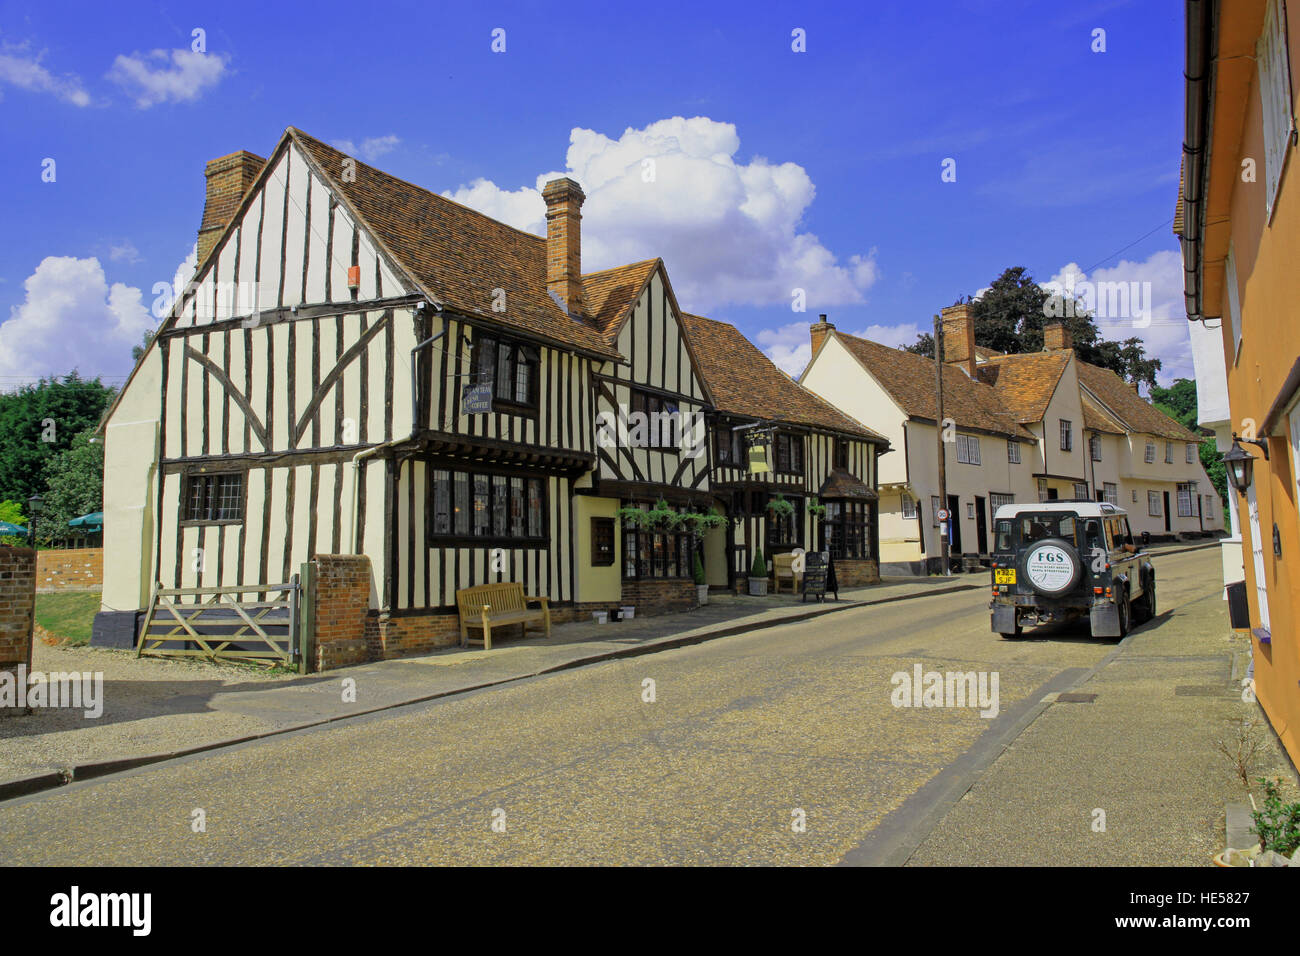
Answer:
[(67, 614)]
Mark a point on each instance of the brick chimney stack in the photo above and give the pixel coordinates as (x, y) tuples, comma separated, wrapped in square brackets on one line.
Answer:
[(1057, 336), (229, 178), (564, 200), (819, 330), (959, 338)]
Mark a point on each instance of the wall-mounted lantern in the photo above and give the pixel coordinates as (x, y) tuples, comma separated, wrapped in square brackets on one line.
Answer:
[(1240, 464)]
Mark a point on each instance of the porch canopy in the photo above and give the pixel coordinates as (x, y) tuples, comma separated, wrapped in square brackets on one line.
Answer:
[(840, 484)]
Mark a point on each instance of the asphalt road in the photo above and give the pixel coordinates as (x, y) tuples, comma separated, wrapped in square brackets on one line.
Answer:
[(746, 738)]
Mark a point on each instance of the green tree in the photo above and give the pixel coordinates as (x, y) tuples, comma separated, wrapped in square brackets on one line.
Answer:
[(39, 421), (12, 512), (138, 350), (1179, 403), (1010, 317), (76, 487)]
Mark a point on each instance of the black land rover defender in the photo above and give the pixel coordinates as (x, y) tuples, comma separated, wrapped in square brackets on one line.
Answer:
[(1057, 560)]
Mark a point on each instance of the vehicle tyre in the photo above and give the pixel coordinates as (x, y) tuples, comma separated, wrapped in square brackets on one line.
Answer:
[(1052, 567), (1015, 635), (1125, 612), (1144, 608)]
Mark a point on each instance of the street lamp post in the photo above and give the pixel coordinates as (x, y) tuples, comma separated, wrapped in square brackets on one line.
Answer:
[(33, 509)]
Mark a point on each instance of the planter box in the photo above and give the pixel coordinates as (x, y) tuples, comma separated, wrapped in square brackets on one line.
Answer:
[(600, 617), (628, 611), (758, 587), (702, 594)]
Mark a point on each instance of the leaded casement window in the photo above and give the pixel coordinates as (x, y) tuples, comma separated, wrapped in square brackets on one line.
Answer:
[(1067, 435), (1191, 453), (1110, 492), (656, 554), (847, 525), (841, 453), (214, 498), (1153, 504), (1080, 489), (1209, 506), (1169, 453), (602, 542), (663, 422), (728, 449), (785, 531), (483, 508), (787, 449), (909, 507), (1094, 447), (1013, 452), (1185, 494), (968, 449), (511, 368), (1042, 489), (1150, 455)]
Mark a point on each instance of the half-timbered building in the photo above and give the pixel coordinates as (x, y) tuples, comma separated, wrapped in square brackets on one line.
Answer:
[(360, 366)]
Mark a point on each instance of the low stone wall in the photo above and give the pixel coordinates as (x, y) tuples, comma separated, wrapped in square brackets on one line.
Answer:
[(70, 569), (17, 609)]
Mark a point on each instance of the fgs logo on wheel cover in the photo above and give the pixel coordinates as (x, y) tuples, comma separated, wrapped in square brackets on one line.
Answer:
[(1049, 568)]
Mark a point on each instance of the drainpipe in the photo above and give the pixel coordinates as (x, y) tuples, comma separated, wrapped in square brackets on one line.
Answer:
[(1196, 122)]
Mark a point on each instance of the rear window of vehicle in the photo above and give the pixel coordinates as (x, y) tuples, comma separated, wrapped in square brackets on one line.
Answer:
[(1025, 529)]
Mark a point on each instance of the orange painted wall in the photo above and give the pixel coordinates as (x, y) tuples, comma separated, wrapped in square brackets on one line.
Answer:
[(1268, 273)]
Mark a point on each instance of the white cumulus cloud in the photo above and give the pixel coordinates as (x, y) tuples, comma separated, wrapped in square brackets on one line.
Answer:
[(166, 76), (1156, 313), (72, 318), (730, 231), (26, 72), (370, 149)]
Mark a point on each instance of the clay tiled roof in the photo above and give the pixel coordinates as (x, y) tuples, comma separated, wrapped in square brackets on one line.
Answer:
[(909, 379), (1026, 382), (744, 381), (1120, 400), (612, 293), (1096, 418), (455, 254), (840, 484)]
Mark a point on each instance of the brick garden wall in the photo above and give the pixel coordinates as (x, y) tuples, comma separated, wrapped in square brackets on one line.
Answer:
[(17, 605), (652, 596), (851, 573), (70, 569), (342, 604)]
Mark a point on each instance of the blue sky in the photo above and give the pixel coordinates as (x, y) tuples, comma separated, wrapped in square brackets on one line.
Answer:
[(776, 169)]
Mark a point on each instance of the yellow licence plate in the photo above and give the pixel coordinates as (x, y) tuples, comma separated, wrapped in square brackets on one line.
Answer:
[(1004, 575)]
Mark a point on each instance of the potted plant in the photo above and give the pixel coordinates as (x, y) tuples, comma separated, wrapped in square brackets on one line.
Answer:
[(701, 583), (818, 512), (758, 574)]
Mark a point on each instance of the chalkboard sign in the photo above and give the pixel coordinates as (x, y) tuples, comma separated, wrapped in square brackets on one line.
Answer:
[(819, 576)]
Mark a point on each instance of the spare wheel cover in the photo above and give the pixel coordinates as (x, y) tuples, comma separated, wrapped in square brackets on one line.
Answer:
[(1052, 567)]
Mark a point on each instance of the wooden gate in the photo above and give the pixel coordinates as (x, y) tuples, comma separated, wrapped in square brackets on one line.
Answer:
[(217, 624)]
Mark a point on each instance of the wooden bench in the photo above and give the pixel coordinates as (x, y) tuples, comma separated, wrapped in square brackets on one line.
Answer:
[(486, 606), (782, 568)]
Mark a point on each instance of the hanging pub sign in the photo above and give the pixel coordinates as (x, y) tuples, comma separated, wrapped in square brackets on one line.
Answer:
[(758, 453), (476, 399)]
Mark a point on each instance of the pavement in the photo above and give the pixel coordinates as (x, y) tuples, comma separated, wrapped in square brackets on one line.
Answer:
[(158, 709), (777, 745)]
